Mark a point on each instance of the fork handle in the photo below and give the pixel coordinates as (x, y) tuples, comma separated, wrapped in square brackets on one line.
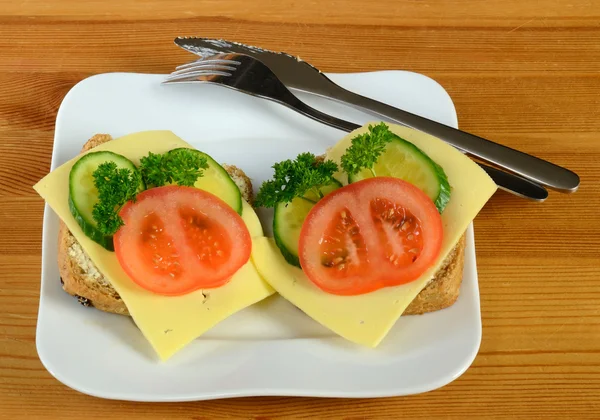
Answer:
[(321, 117), (511, 183), (527, 166)]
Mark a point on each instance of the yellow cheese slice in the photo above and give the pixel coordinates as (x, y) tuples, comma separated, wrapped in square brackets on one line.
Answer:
[(169, 323), (366, 319)]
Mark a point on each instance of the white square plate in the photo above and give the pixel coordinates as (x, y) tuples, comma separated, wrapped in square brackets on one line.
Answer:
[(271, 348)]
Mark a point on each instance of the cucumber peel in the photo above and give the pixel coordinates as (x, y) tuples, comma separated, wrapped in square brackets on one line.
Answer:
[(83, 194), (402, 159), (289, 217)]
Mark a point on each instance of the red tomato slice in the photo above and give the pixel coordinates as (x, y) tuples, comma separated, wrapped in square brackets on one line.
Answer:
[(371, 234), (179, 239)]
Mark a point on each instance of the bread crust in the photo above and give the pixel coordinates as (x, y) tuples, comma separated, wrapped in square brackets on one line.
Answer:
[(80, 278), (443, 290), (77, 282)]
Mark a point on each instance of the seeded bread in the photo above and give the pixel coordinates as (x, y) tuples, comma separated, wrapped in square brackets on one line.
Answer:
[(81, 278)]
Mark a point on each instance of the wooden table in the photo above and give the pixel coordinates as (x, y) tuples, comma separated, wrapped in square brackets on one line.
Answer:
[(526, 74)]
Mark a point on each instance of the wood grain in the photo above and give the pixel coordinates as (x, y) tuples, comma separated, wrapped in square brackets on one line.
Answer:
[(526, 74)]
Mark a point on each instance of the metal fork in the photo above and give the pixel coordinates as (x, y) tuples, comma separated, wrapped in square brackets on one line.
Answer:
[(249, 75)]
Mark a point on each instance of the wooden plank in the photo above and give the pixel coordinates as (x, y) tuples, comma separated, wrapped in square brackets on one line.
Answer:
[(526, 74)]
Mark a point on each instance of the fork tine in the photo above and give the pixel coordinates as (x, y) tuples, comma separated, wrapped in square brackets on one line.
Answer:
[(181, 77), (199, 65), (207, 62), (215, 67)]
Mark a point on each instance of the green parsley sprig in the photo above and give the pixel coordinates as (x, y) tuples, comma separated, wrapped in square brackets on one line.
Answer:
[(116, 186), (179, 166), (296, 178), (366, 149)]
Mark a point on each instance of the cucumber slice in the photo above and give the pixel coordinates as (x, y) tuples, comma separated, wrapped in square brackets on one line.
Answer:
[(217, 181), (288, 219), (402, 159), (83, 194)]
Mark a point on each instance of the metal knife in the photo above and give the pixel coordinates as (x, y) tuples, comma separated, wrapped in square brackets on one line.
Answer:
[(300, 75)]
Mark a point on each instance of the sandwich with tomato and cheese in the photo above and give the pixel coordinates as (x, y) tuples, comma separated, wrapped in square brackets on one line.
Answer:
[(372, 230), (155, 229)]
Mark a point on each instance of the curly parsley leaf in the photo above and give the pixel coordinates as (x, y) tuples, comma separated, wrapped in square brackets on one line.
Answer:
[(366, 149), (179, 166), (296, 178), (152, 170), (185, 166), (116, 186)]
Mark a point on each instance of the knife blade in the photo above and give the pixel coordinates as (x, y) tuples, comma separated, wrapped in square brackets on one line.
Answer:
[(302, 76)]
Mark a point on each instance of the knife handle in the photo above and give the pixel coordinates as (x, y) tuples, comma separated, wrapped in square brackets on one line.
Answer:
[(527, 166)]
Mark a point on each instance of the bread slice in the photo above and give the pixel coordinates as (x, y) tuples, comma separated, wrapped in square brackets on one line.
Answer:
[(81, 278)]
